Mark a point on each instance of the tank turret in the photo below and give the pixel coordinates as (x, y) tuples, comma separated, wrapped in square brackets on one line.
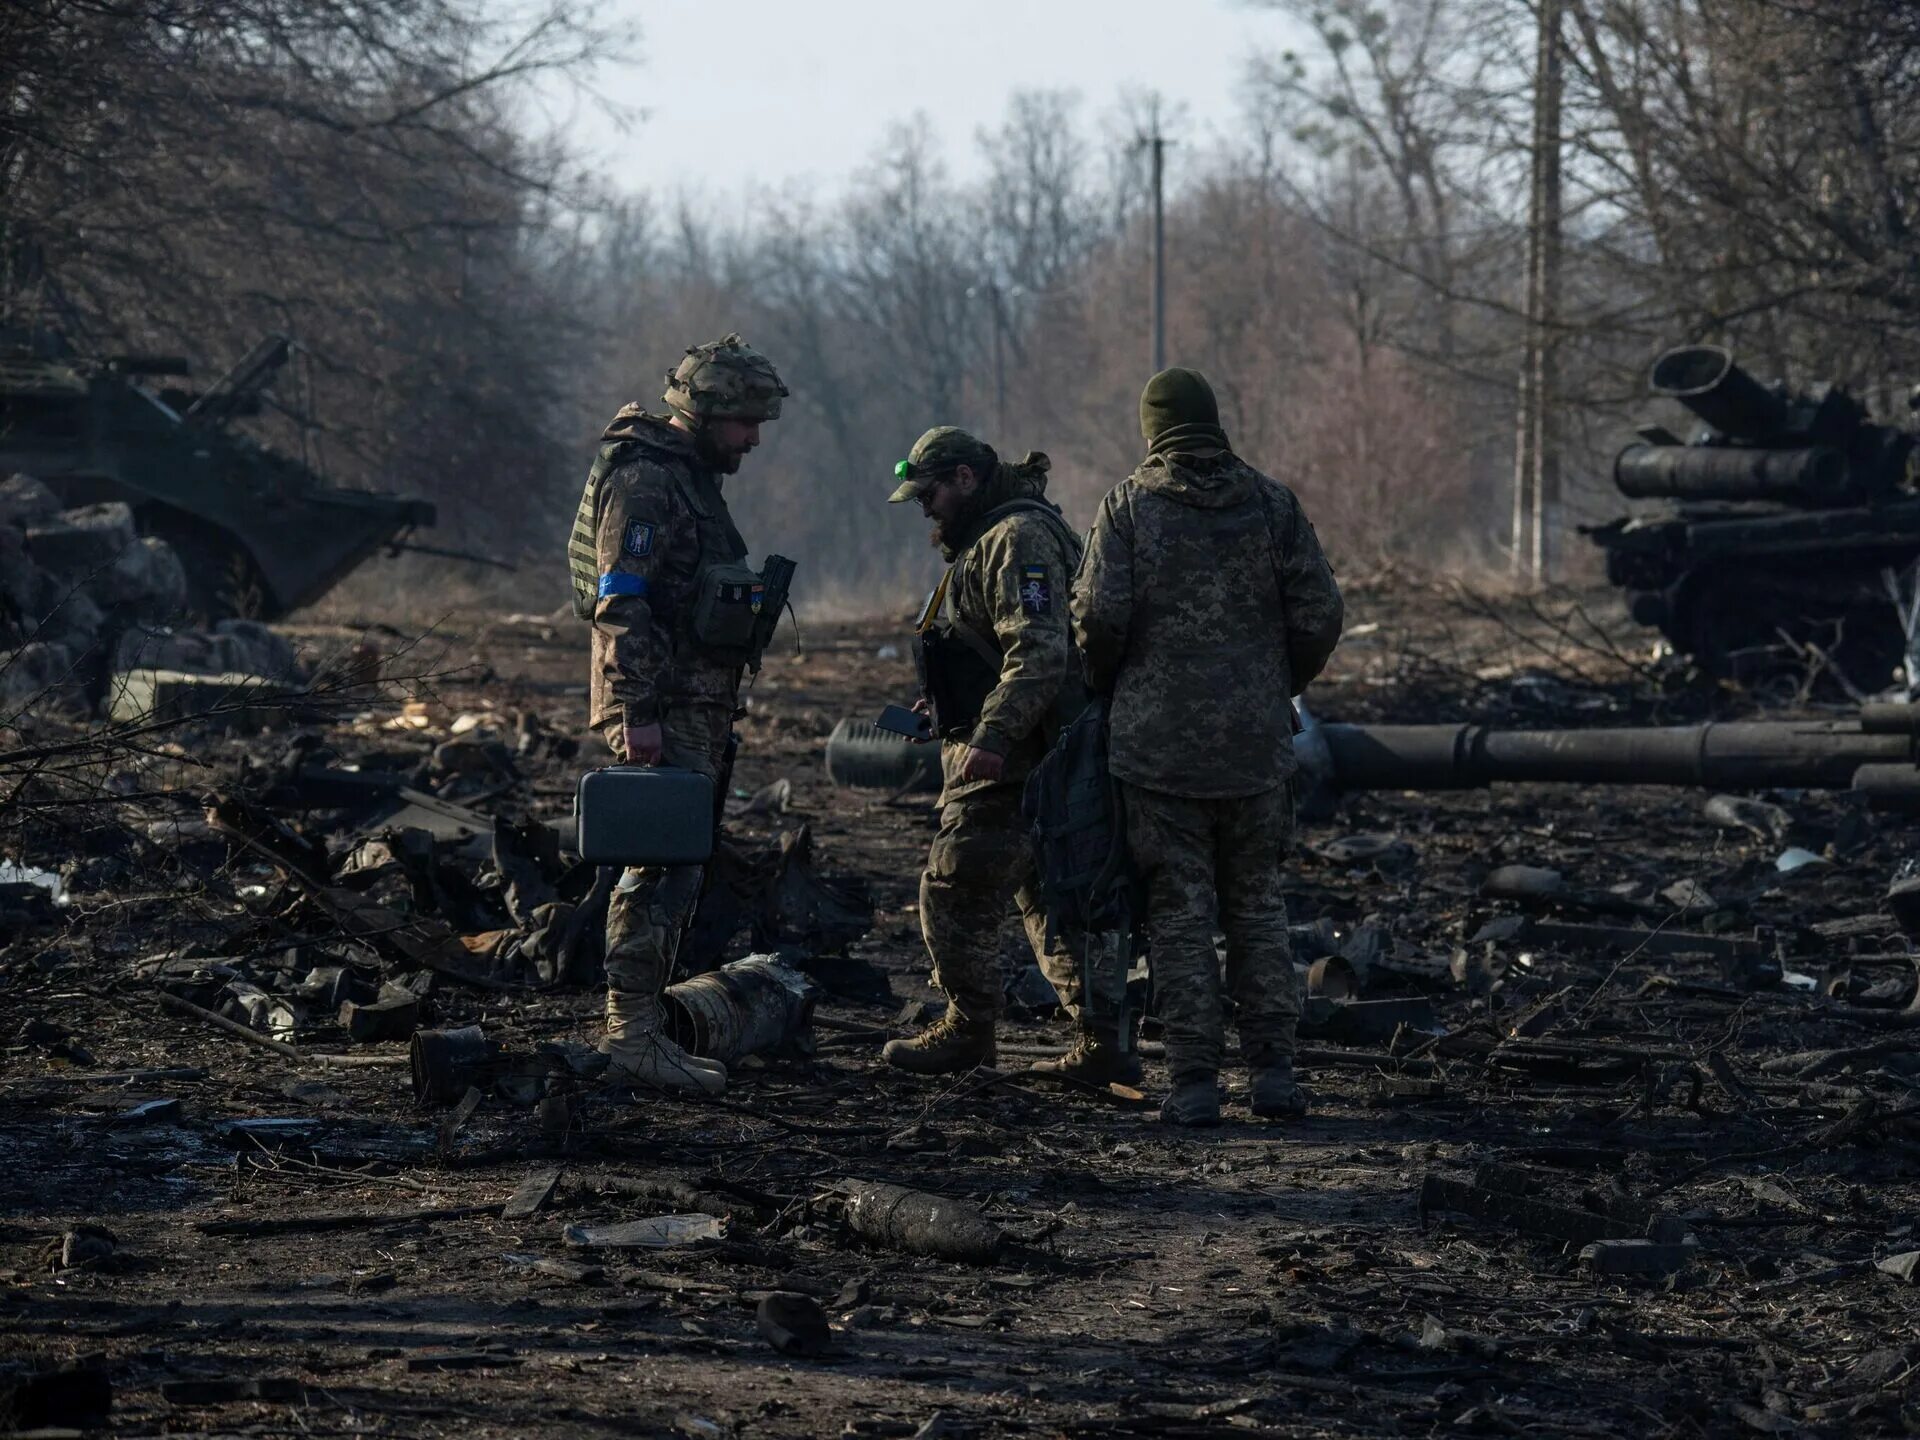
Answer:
[(259, 533), (1786, 521)]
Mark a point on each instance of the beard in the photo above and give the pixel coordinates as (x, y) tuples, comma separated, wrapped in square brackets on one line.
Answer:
[(938, 538), (952, 533), (719, 461)]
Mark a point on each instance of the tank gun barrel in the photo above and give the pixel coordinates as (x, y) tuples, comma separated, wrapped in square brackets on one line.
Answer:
[(149, 365), (1705, 379), (1875, 754), (232, 392), (1813, 475)]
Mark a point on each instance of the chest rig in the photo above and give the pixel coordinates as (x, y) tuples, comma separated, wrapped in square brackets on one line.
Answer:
[(734, 608), (730, 611), (958, 666)]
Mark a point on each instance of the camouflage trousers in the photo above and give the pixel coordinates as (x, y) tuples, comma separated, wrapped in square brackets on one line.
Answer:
[(652, 906), (982, 859), (1204, 862)]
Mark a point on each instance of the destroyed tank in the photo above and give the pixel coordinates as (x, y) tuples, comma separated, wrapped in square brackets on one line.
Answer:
[(259, 534), (1788, 521)]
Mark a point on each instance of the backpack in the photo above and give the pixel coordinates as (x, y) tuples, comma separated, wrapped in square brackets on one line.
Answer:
[(1079, 826)]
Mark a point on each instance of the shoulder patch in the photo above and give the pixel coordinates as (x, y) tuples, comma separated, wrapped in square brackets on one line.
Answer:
[(639, 538), (1036, 595)]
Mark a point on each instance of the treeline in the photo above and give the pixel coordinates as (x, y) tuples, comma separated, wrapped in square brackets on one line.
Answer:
[(1350, 270), (1018, 305), (183, 176)]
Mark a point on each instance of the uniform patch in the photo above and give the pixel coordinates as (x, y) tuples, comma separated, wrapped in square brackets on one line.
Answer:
[(639, 538), (1036, 596)]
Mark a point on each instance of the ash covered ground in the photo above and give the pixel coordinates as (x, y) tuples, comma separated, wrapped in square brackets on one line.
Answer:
[(1678, 1059)]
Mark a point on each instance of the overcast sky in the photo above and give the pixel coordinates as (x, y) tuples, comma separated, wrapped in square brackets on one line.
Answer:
[(777, 92)]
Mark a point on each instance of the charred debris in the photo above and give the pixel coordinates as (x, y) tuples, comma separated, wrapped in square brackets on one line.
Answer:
[(1616, 1087), (1783, 520)]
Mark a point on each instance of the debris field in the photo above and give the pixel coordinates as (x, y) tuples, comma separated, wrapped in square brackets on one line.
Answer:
[(1616, 1091)]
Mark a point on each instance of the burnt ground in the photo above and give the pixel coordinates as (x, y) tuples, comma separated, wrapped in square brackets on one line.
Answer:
[(1751, 1088)]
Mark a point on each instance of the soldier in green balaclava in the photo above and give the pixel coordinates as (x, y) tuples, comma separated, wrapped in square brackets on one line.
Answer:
[(1203, 606)]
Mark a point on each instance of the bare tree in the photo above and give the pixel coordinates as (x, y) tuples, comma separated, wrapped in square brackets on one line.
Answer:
[(1758, 162), (184, 174)]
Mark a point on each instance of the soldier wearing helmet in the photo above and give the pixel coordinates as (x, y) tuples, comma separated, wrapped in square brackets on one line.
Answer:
[(651, 539)]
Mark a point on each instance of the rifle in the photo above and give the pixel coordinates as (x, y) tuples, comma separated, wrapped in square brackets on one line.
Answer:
[(722, 787)]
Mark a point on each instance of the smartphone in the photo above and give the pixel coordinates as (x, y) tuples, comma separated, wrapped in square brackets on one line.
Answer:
[(902, 721)]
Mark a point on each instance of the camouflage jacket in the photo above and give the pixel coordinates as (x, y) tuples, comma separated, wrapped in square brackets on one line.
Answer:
[(657, 519), (1203, 604), (1009, 586)]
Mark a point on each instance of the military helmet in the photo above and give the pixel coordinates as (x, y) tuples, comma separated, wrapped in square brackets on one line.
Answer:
[(725, 379), (935, 453)]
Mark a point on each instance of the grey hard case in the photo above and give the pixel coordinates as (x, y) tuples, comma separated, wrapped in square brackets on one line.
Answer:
[(644, 815)]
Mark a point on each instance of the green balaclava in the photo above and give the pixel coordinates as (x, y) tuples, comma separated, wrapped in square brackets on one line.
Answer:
[(1178, 412)]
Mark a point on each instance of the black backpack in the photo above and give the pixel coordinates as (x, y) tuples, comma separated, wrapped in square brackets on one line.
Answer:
[(1079, 826)]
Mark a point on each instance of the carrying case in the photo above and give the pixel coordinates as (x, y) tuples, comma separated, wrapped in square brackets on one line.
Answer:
[(644, 815)]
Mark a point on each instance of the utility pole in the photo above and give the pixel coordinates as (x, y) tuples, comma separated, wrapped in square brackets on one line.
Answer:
[(1159, 144), (1536, 463), (1155, 144), (999, 365)]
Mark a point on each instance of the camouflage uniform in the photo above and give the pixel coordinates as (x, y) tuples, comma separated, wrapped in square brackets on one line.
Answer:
[(1011, 559), (1203, 604), (1199, 858), (652, 520)]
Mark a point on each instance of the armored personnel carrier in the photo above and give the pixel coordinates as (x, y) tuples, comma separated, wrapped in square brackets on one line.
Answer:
[(1789, 521), (259, 534)]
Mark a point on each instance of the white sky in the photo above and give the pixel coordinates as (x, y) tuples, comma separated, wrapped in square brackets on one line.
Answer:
[(738, 94)]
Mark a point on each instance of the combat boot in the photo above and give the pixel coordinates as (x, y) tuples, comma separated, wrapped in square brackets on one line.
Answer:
[(1094, 1062), (1193, 1103), (1274, 1094), (951, 1044), (638, 1051)]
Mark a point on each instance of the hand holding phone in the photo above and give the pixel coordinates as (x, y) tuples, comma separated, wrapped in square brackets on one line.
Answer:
[(915, 724)]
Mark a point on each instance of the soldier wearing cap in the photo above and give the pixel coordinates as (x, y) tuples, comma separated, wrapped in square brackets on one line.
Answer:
[(998, 680), (1203, 605), (651, 537)]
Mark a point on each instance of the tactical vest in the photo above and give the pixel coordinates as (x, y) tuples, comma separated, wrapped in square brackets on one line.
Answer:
[(732, 612), (957, 665), (583, 548), (733, 609)]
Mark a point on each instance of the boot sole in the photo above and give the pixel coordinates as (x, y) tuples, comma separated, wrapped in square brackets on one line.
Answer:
[(619, 1075), (1088, 1077), (640, 1082), (1208, 1122), (911, 1067)]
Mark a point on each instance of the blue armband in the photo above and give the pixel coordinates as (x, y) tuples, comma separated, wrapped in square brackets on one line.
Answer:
[(614, 582)]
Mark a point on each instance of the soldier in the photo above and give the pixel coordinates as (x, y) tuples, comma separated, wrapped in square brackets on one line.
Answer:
[(657, 565), (998, 678), (1202, 606)]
